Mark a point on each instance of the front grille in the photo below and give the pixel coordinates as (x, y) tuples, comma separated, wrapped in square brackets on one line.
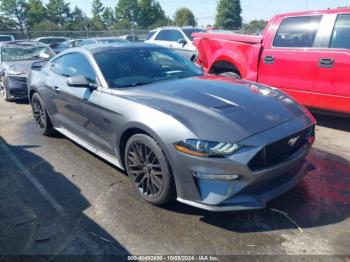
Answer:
[(281, 150)]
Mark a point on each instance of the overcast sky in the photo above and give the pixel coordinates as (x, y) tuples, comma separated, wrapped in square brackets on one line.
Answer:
[(205, 10)]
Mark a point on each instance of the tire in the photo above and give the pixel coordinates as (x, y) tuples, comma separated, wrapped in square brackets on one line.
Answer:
[(230, 75), (148, 169), (41, 118), (5, 95)]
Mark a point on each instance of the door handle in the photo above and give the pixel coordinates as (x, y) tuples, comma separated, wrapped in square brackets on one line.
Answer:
[(326, 62), (269, 60), (56, 89)]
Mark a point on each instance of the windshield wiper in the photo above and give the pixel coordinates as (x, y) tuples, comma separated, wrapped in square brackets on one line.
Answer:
[(139, 84)]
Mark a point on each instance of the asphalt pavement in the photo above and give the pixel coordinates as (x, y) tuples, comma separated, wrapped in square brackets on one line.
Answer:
[(58, 199)]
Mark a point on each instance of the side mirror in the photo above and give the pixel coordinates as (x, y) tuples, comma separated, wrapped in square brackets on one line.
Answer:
[(80, 82), (182, 41), (38, 65)]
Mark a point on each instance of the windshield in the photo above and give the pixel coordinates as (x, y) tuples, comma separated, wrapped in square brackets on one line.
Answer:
[(12, 53), (140, 66), (52, 40), (4, 38), (189, 32)]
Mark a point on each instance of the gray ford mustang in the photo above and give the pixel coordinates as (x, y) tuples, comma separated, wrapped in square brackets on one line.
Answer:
[(211, 142)]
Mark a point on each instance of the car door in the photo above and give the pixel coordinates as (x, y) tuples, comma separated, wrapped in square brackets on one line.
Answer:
[(290, 56), (331, 88), (75, 109)]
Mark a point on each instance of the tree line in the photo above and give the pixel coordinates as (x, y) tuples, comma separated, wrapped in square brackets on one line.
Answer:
[(59, 15), (56, 15)]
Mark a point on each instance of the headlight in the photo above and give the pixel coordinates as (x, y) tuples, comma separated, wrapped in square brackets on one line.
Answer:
[(202, 148)]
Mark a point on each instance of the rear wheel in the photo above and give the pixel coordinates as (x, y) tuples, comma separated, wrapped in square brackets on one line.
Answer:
[(41, 117), (230, 74), (148, 168)]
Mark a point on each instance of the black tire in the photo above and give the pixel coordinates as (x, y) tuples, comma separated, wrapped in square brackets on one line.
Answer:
[(5, 95), (148, 169), (41, 118), (230, 75)]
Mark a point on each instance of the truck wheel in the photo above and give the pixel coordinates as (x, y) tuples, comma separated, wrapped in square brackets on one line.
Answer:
[(230, 75)]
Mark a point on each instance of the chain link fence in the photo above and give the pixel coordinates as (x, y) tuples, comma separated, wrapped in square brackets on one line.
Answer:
[(141, 34)]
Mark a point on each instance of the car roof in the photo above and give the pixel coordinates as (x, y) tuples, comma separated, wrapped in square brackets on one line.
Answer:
[(23, 43), (176, 27), (316, 12), (100, 48)]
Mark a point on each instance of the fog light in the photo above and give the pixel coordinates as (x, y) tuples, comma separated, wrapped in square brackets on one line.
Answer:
[(216, 177)]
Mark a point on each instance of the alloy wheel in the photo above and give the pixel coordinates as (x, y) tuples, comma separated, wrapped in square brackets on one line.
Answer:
[(39, 114), (145, 169)]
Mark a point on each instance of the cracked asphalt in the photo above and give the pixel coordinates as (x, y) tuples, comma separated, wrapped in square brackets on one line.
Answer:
[(58, 199)]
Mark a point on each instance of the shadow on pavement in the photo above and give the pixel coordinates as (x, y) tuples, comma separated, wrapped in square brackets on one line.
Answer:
[(45, 220), (322, 198), (334, 122)]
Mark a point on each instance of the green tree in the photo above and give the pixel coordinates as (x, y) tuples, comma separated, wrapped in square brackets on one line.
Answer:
[(58, 11), (229, 14), (6, 24), (255, 26), (127, 10), (184, 16), (97, 9), (15, 10), (36, 12), (150, 13), (97, 12), (76, 21), (108, 17)]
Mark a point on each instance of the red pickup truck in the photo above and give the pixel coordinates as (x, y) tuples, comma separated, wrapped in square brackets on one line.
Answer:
[(306, 54)]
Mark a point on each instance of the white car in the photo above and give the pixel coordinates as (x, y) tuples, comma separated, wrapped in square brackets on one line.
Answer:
[(176, 38), (6, 38)]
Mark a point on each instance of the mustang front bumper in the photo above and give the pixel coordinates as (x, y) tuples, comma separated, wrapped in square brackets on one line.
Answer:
[(225, 184)]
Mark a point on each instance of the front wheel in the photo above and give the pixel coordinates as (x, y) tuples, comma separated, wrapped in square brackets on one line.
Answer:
[(5, 94), (148, 168), (41, 117)]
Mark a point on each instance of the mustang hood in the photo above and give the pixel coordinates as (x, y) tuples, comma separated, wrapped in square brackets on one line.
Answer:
[(216, 108)]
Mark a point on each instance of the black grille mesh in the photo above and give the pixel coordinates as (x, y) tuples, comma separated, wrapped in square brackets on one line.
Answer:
[(281, 150)]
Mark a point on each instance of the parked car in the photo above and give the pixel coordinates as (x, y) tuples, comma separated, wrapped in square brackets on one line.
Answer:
[(51, 39), (67, 44), (209, 141), (130, 38), (5, 38), (53, 42), (102, 40), (305, 54), (16, 60), (176, 38)]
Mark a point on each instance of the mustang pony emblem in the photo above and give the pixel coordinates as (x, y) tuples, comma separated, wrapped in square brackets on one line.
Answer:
[(293, 141)]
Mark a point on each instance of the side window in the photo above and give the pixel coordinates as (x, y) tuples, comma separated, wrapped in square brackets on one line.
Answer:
[(341, 33), (150, 35), (169, 35), (57, 66), (297, 31), (73, 65)]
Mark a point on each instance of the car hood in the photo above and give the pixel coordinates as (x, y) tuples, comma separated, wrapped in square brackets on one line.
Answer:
[(21, 67), (217, 108)]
